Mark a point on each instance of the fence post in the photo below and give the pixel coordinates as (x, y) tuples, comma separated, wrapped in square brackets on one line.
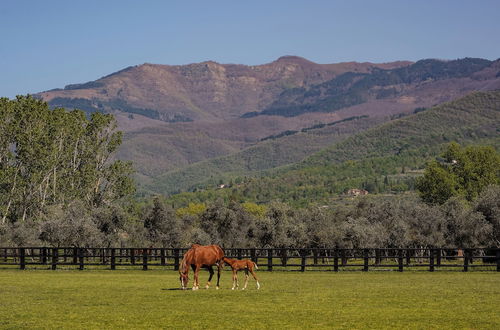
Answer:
[(303, 261), (144, 259), (315, 256), (75, 256), (44, 256), (270, 259), (431, 260), (377, 257), (239, 254), (466, 260), (283, 257), (336, 260), (408, 256), (176, 259), (55, 258), (252, 255), (400, 260), (113, 258), (132, 256), (162, 257), (365, 260), (103, 256), (22, 258), (498, 259), (80, 256)]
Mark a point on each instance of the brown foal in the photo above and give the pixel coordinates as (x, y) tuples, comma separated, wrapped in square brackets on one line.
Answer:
[(247, 266)]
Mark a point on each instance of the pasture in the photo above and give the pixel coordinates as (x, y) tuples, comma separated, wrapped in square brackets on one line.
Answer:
[(137, 299)]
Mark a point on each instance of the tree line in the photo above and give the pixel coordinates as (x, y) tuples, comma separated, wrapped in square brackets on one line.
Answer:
[(403, 221)]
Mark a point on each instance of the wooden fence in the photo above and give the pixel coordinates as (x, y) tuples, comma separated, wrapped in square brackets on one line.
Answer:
[(269, 259)]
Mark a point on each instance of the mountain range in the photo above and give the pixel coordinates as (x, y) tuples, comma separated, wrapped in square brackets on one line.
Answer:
[(179, 118)]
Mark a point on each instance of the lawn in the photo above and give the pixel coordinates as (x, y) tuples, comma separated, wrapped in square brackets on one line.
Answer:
[(138, 299)]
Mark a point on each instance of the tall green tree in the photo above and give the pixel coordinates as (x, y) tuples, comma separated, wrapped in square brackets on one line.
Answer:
[(50, 157), (464, 172), (162, 225)]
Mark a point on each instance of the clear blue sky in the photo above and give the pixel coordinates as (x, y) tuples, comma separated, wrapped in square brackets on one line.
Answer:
[(49, 44)]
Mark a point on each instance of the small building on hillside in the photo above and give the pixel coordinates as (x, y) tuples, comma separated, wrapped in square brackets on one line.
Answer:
[(356, 192)]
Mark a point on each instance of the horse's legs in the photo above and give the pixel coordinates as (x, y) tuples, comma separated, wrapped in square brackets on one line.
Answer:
[(211, 270), (196, 284), (235, 278), (255, 278), (193, 266), (246, 279), (219, 268), (184, 283)]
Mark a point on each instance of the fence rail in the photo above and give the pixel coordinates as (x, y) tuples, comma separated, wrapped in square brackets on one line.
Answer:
[(270, 259)]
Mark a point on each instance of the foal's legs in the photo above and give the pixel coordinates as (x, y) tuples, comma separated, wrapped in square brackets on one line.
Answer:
[(211, 270), (255, 278), (246, 279), (235, 279)]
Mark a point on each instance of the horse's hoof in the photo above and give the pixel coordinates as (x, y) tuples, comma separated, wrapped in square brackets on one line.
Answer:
[(242, 289), (216, 288), (232, 288), (206, 287)]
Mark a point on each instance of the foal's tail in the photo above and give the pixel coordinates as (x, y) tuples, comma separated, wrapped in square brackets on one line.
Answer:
[(255, 264)]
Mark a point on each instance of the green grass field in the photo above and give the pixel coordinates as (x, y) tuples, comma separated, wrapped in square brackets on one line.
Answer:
[(138, 299)]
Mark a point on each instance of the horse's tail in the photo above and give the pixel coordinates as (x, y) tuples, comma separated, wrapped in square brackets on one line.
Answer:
[(255, 264)]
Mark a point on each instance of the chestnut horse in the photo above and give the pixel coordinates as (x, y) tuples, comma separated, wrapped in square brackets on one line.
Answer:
[(247, 266), (199, 256)]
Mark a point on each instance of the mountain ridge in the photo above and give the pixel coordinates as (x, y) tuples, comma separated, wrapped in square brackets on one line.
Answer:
[(176, 115), (194, 90)]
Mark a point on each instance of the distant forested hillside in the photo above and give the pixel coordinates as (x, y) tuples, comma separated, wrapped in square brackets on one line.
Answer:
[(381, 159), (274, 151), (353, 88)]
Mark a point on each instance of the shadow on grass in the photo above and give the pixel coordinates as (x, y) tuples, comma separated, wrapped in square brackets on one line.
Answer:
[(172, 289)]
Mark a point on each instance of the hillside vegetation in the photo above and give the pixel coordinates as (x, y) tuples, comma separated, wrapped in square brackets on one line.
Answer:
[(379, 159), (272, 152), (353, 88)]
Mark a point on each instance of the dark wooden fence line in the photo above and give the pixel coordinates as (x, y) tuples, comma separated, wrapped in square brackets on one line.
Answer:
[(333, 259)]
